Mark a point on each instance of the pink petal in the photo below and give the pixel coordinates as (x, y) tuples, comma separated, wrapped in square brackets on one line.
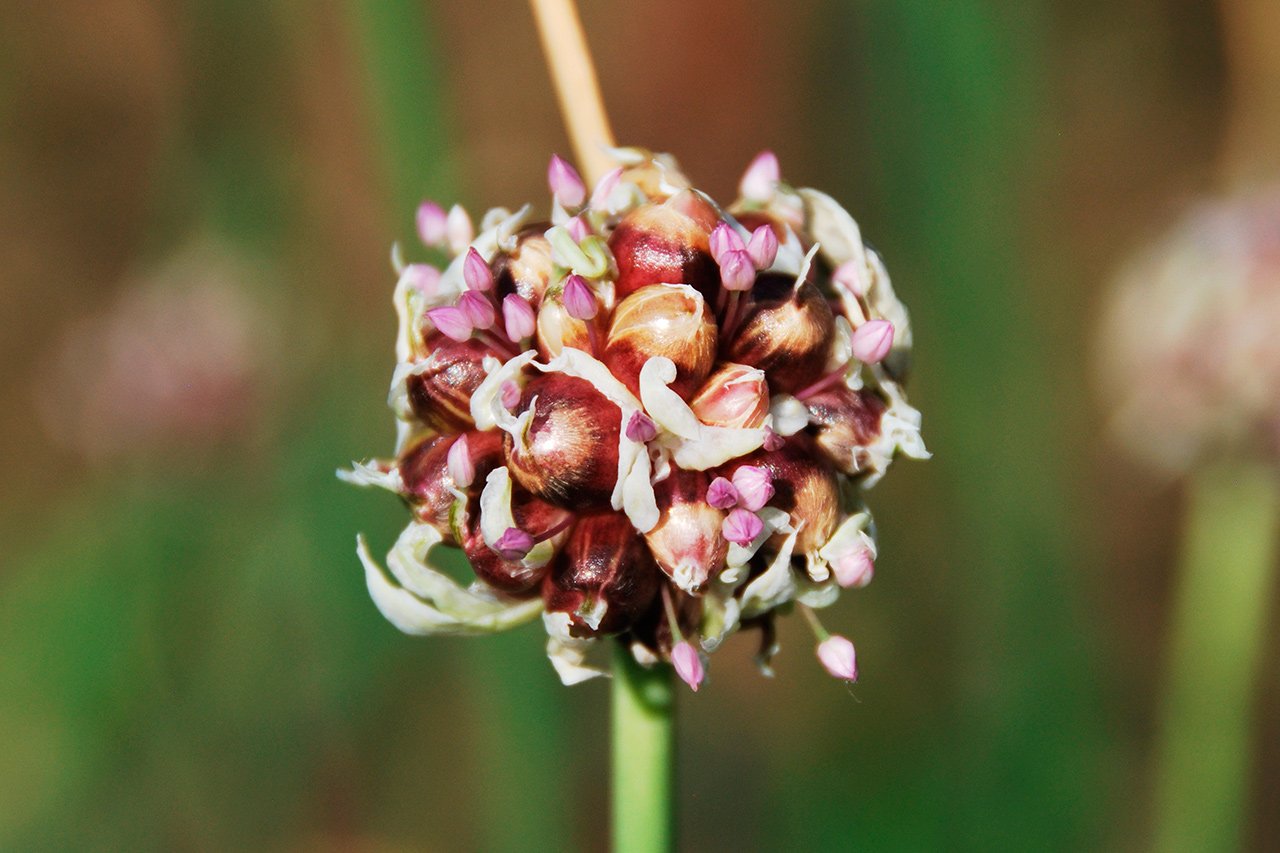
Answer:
[(565, 182), (838, 656), (872, 341), (721, 494), (741, 526), (688, 664), (451, 321)]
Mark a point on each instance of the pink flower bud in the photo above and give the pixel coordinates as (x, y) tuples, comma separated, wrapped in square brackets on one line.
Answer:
[(458, 229), (872, 341), (518, 317), (741, 526), (734, 396), (510, 395), (451, 321), (760, 181), (432, 227), (688, 664), (579, 301), (461, 469), (855, 567), (578, 229), (565, 182), (837, 655), (804, 487), (773, 441), (641, 427), (737, 272), (722, 494), (852, 276), (476, 272), (513, 544), (754, 485), (541, 521), (605, 187), (478, 309), (423, 278), (724, 238), (763, 247)]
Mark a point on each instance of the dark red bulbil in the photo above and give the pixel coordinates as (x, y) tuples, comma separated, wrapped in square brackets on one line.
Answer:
[(787, 332), (843, 422), (424, 469), (667, 243), (440, 393), (536, 517)]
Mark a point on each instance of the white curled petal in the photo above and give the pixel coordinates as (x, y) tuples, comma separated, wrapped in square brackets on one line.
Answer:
[(851, 534), (426, 601), (580, 365), (627, 452), (495, 506), (373, 474), (665, 406), (789, 415), (714, 447), (841, 357), (570, 655), (776, 586), (486, 402), (818, 596), (638, 498), (833, 227), (720, 611)]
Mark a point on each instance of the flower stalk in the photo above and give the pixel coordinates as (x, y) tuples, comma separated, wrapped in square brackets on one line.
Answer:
[(643, 751)]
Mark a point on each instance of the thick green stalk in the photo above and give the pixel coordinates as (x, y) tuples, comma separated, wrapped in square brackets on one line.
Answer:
[(643, 756), (1227, 571)]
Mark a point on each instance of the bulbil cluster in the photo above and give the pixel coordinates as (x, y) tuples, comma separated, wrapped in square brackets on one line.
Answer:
[(648, 417)]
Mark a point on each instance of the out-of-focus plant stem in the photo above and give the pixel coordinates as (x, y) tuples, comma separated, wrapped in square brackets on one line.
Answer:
[(577, 90), (643, 751), (1226, 576)]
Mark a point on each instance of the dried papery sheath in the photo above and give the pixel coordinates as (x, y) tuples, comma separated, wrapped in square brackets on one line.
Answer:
[(648, 416)]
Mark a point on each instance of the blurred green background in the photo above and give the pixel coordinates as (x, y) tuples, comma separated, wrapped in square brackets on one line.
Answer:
[(188, 657)]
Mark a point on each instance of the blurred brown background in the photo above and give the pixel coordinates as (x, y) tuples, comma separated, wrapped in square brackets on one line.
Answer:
[(196, 205)]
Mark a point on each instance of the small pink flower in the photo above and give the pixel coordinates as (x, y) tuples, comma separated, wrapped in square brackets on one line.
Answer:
[(763, 247), (872, 341), (578, 299), (760, 181), (854, 568), (565, 182), (721, 494), (605, 187), (451, 321), (741, 526), (754, 485), (432, 224), (837, 655), (737, 272), (518, 317), (458, 229), (461, 469), (513, 544), (478, 308), (851, 275), (476, 272), (423, 278), (688, 664)]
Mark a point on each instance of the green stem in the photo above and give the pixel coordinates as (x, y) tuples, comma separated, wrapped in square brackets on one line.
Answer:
[(643, 752), (1228, 558)]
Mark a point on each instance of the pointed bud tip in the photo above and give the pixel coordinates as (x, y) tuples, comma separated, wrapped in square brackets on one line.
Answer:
[(763, 247), (688, 664), (725, 239), (579, 301), (565, 182), (737, 272), (518, 317), (605, 187), (461, 469), (478, 308), (458, 229), (476, 272), (838, 657), (760, 181), (872, 341), (851, 276), (854, 569), (451, 321)]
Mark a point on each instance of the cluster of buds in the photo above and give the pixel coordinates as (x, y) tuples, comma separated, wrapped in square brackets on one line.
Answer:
[(649, 417), (1190, 358)]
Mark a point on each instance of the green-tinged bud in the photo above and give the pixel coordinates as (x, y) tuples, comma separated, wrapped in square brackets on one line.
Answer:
[(667, 243), (567, 453), (787, 332), (843, 423), (686, 541), (441, 385), (604, 577), (665, 320)]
